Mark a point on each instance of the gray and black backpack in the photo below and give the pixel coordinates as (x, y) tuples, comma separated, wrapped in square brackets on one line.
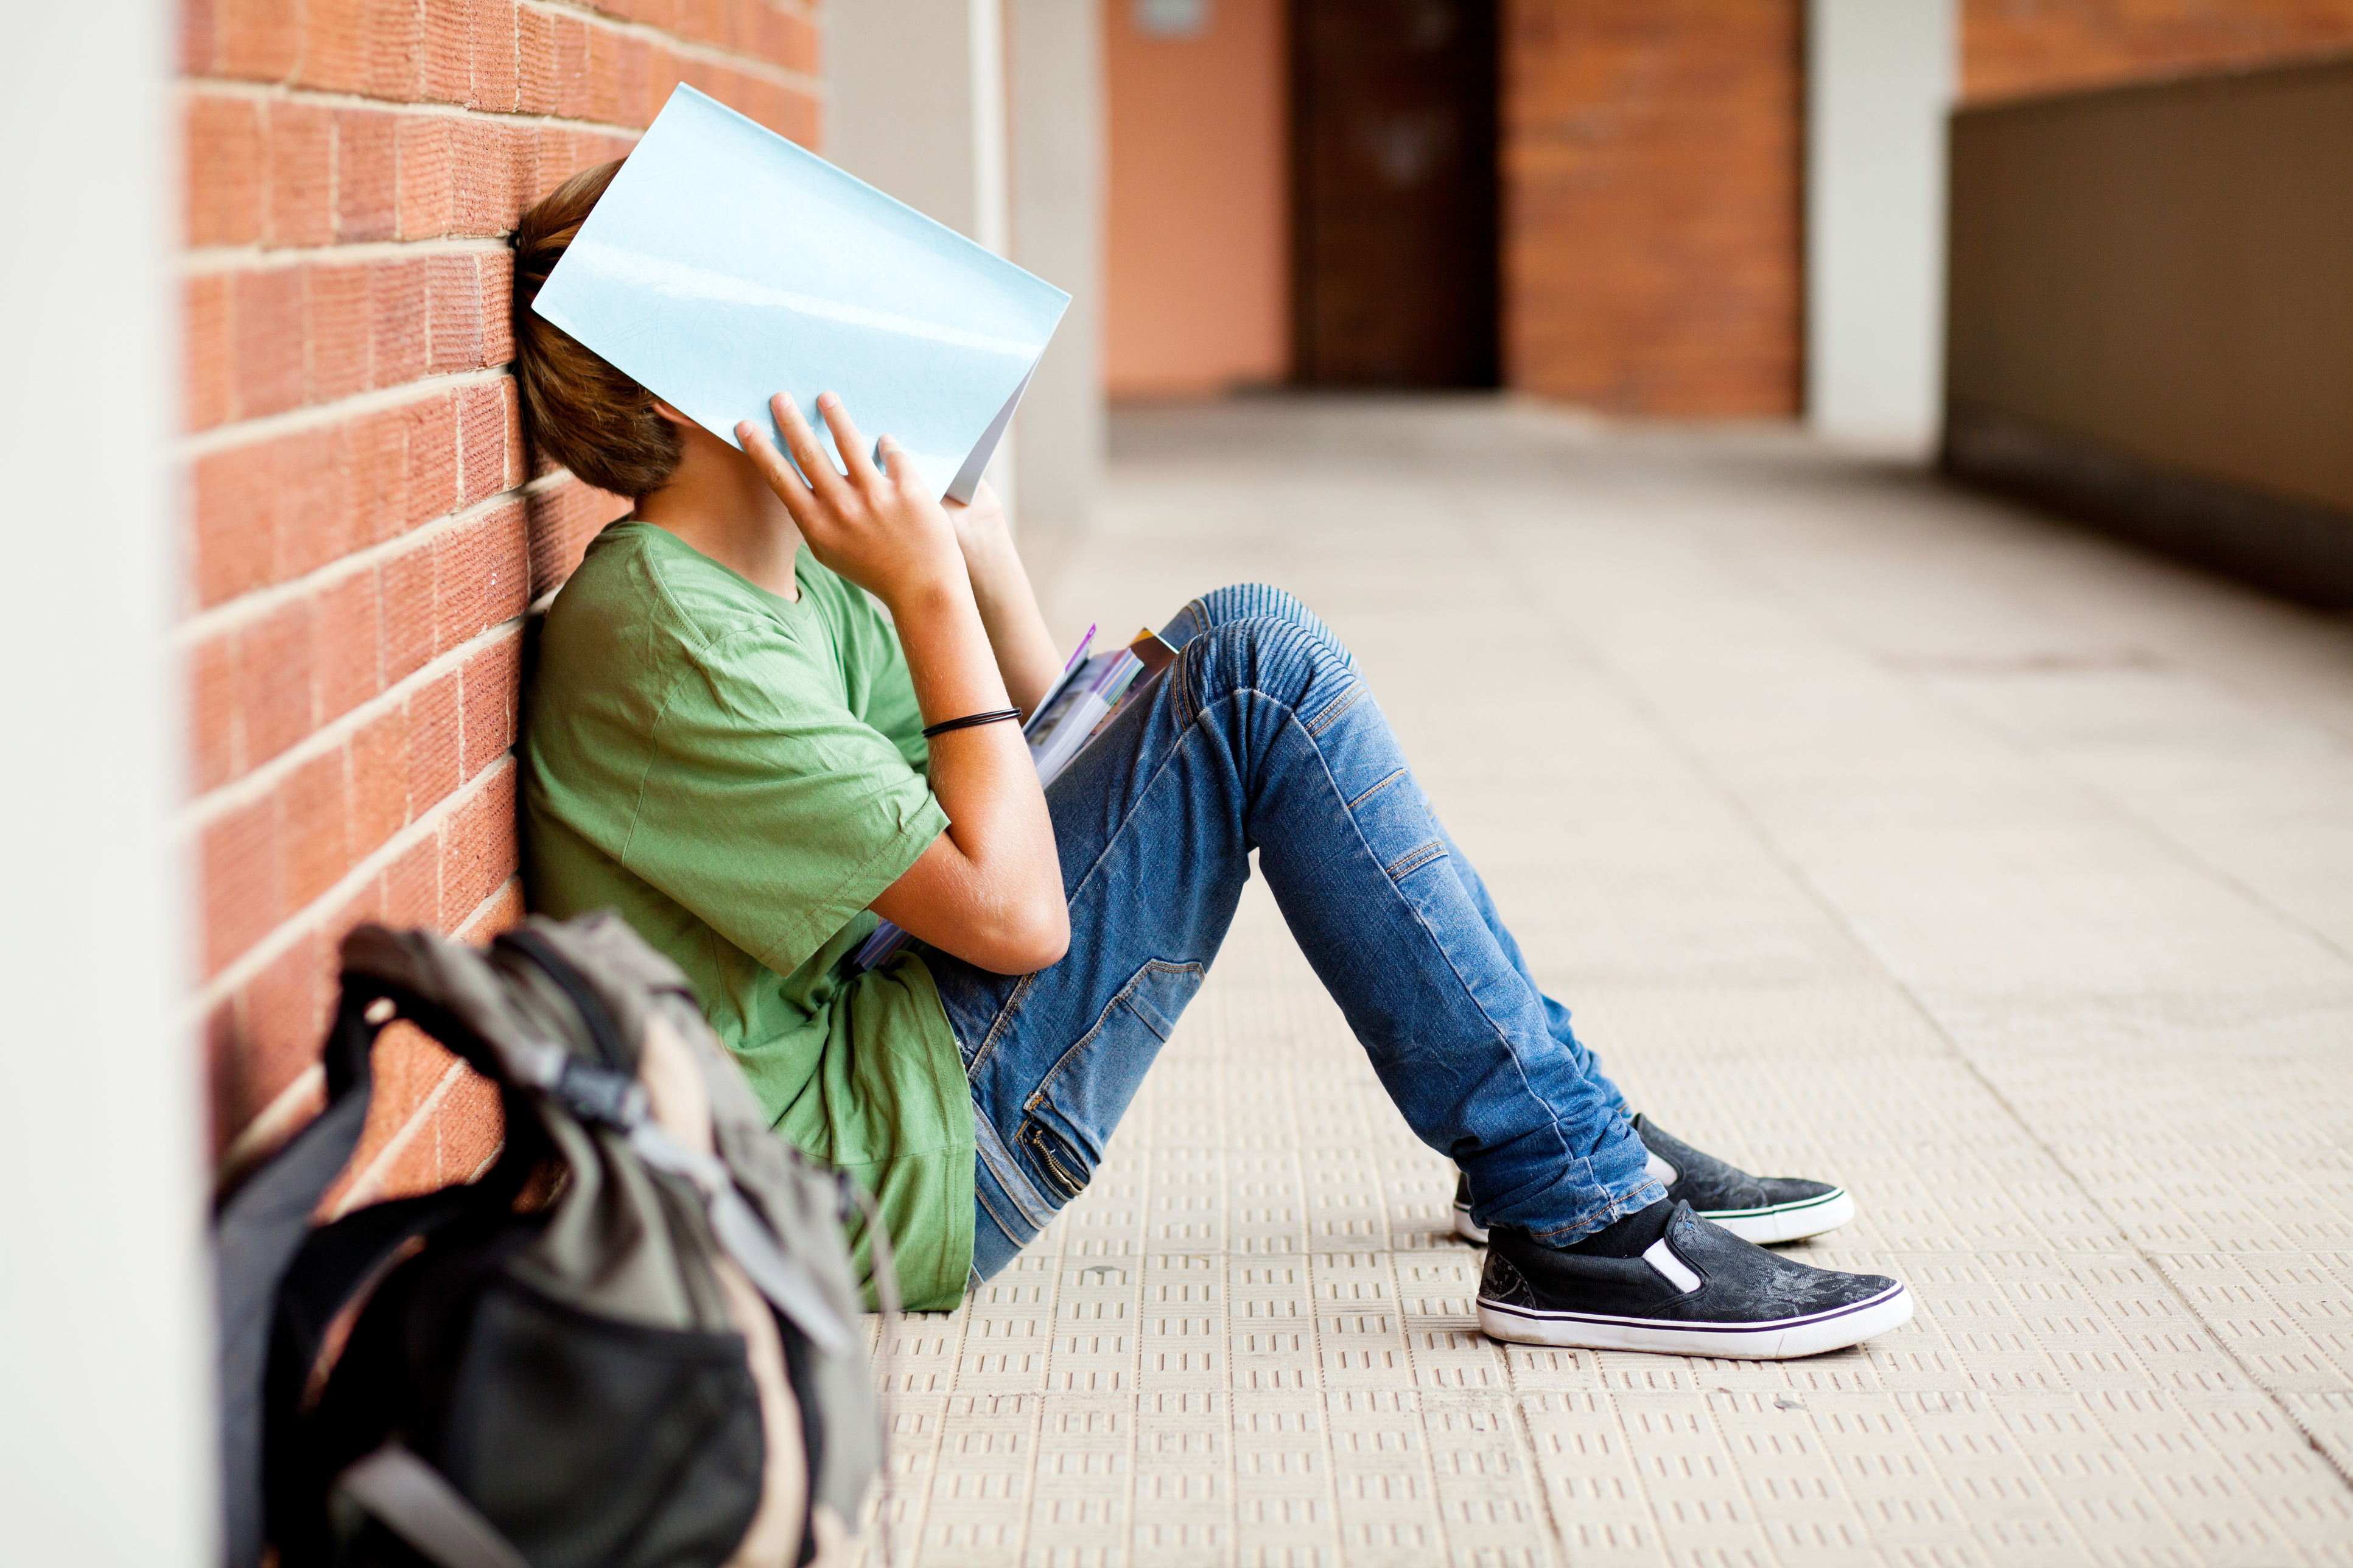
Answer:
[(634, 1341)]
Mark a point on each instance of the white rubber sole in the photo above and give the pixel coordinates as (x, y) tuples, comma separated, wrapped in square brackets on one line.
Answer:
[(1784, 1339), (1783, 1222)]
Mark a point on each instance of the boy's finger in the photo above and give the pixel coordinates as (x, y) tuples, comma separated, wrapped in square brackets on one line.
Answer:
[(817, 468), (895, 461), (846, 438), (780, 474)]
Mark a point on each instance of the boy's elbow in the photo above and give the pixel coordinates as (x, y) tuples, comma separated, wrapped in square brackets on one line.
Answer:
[(1040, 938)]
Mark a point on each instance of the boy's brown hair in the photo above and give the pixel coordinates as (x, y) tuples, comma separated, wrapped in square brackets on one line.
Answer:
[(578, 409)]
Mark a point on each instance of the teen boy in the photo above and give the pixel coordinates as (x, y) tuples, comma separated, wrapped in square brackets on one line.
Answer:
[(727, 742)]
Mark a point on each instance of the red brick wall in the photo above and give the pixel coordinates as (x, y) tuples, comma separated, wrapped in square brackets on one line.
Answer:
[(2013, 48), (1651, 162), (367, 528)]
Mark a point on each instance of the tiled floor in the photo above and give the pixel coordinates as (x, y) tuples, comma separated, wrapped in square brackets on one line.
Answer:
[(1875, 832)]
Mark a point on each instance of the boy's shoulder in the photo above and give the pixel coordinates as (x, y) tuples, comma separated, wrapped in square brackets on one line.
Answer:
[(644, 582)]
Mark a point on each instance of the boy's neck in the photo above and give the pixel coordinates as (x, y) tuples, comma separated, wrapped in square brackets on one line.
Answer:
[(716, 502)]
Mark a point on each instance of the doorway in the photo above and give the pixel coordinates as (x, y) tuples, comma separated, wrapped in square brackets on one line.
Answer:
[(1394, 243)]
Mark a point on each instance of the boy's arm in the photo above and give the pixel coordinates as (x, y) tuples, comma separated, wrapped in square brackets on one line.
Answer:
[(989, 890), (1008, 606)]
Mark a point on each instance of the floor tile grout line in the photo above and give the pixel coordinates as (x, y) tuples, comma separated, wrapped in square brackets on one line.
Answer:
[(1647, 713)]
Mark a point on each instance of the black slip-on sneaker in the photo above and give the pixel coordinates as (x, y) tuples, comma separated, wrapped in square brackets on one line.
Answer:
[(1762, 1209), (1698, 1290)]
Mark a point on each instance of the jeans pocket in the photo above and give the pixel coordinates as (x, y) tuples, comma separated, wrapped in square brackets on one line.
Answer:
[(1055, 1162)]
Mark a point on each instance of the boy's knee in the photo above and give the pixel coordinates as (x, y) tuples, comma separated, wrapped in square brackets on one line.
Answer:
[(1296, 662)]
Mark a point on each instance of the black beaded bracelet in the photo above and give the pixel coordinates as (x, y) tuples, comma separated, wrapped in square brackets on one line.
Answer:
[(994, 716)]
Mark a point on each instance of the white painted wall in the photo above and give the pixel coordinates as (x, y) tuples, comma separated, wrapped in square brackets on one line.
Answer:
[(106, 1425), (1058, 130), (1879, 79)]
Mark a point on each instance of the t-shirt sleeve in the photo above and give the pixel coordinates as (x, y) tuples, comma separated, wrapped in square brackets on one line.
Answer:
[(770, 809)]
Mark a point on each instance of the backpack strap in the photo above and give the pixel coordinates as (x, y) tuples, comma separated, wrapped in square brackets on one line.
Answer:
[(256, 1233), (424, 1510)]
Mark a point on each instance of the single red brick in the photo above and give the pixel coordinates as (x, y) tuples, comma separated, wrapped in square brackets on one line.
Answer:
[(445, 60), (633, 101), (257, 40), (394, 31), (237, 855), (379, 781), (265, 335), (427, 184), (412, 885), (334, 45), (794, 42), (212, 712), (312, 508), (347, 643), (482, 443), (511, 421), (479, 846), (223, 180), (340, 310), (301, 163), (406, 612), (491, 50), (206, 319), (313, 818), (604, 77), (453, 293), (480, 567), (284, 1013), (433, 743), (274, 671), (535, 60), (432, 457), (232, 523), (367, 194), (199, 37), (483, 163), (376, 460), (494, 278), (399, 341), (571, 94), (492, 681)]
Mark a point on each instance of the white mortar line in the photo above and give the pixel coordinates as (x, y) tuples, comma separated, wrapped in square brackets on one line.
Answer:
[(294, 421), (262, 953), (252, 606), (213, 261), (209, 807), (292, 1107)]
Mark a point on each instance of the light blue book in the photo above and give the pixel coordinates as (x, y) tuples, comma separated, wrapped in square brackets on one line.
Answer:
[(724, 265)]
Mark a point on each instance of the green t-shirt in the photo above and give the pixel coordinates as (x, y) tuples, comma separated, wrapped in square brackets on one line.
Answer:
[(740, 776)]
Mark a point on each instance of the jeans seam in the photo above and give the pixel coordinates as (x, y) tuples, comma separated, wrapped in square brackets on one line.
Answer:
[(997, 1028), (1336, 709), (1040, 1097), (1414, 859), (1377, 789)]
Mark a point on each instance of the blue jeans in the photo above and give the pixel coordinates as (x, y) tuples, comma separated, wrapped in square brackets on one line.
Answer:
[(1262, 735)]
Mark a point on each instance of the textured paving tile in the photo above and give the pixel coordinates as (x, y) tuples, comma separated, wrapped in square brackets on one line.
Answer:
[(1875, 832)]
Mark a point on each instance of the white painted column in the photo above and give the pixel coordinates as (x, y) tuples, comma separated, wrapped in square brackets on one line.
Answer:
[(915, 105), (105, 1418), (1057, 128), (1879, 79)]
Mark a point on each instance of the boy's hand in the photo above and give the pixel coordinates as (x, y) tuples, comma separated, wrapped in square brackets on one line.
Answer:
[(979, 522), (882, 528)]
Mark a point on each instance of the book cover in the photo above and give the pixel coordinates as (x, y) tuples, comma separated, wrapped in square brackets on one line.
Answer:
[(724, 265)]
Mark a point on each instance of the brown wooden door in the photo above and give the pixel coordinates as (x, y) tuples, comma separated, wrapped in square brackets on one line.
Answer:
[(1393, 179)]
